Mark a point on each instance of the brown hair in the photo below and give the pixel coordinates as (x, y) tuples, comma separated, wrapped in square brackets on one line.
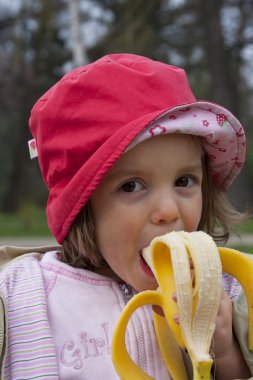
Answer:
[(218, 214), (79, 249)]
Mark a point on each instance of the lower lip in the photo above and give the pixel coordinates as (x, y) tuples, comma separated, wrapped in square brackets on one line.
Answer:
[(145, 268)]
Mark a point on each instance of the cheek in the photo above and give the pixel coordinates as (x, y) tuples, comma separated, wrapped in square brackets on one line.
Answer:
[(198, 210), (193, 215), (112, 229)]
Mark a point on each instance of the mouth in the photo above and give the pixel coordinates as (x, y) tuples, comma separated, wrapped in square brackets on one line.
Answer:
[(145, 267)]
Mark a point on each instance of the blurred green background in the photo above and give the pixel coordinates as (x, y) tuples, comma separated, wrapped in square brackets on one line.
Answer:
[(42, 39)]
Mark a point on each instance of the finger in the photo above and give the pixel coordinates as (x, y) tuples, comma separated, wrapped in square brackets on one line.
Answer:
[(176, 319), (224, 296), (225, 307), (174, 297)]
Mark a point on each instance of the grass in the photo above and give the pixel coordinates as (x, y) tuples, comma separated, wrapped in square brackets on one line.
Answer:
[(243, 248), (29, 221), (246, 227)]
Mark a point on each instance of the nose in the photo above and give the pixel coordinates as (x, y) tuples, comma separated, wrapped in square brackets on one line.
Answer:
[(165, 209)]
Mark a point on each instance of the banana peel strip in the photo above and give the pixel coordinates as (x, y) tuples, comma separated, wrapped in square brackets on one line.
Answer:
[(240, 266)]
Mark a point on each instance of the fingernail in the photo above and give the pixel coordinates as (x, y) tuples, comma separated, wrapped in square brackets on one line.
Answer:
[(176, 319), (174, 296)]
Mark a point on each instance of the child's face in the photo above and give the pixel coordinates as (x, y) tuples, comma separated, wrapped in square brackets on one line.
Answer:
[(152, 189)]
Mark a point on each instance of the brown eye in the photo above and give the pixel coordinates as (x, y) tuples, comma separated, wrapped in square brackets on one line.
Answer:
[(131, 187), (184, 182)]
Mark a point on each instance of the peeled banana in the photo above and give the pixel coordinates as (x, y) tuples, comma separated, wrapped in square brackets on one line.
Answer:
[(198, 305), (197, 302)]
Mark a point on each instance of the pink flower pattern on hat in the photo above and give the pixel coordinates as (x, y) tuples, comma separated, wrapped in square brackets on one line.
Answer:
[(221, 119), (223, 136), (157, 130)]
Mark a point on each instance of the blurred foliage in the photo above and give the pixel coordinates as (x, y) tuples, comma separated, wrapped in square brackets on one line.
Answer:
[(28, 221), (245, 227), (211, 39), (244, 248), (31, 57)]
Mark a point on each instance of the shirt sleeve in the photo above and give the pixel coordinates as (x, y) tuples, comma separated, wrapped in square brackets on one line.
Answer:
[(231, 286)]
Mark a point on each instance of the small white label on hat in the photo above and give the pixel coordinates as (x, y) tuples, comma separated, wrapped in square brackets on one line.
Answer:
[(33, 148)]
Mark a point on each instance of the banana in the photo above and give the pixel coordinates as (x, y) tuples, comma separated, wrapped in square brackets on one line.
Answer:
[(197, 303)]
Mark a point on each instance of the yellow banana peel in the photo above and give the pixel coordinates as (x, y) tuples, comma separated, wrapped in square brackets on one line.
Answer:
[(197, 304), (240, 266)]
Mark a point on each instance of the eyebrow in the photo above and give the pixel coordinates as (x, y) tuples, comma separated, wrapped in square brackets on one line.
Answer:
[(138, 172), (125, 172), (192, 167)]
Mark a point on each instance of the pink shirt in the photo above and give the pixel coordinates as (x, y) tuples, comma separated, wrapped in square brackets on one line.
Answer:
[(83, 309)]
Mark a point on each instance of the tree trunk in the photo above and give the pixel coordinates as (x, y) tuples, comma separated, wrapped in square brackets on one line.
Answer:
[(224, 67), (77, 45), (215, 52)]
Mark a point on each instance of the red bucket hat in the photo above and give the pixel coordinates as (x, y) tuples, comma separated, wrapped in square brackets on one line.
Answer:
[(84, 123)]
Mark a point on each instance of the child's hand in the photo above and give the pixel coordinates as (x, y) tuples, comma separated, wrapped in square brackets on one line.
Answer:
[(228, 359), (223, 335)]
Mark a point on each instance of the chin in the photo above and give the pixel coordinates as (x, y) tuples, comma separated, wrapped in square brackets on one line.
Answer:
[(143, 287)]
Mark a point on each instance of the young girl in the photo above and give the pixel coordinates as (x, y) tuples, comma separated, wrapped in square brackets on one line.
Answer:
[(127, 154)]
